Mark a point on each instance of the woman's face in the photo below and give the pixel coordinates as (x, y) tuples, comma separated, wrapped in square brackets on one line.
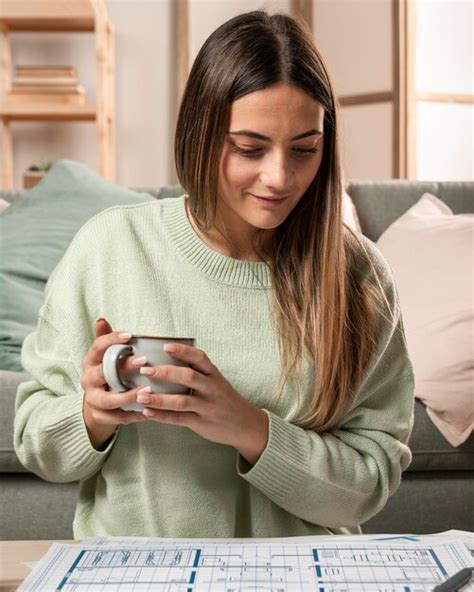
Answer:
[(272, 152)]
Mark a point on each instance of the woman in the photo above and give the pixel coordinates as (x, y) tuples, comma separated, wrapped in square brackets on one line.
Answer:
[(302, 386)]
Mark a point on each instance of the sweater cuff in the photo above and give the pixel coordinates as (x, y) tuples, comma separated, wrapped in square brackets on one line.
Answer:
[(284, 462), (70, 435)]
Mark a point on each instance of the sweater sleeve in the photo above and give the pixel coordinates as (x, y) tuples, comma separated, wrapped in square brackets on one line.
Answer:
[(50, 436), (343, 477)]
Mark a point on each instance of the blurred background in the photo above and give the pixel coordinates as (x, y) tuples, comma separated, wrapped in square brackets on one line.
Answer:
[(402, 70)]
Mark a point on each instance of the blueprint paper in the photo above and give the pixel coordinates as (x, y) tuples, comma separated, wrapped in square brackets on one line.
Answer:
[(322, 564), (464, 536), (461, 536)]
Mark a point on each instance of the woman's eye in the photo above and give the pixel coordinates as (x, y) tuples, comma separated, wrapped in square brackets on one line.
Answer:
[(306, 151), (257, 152), (243, 152)]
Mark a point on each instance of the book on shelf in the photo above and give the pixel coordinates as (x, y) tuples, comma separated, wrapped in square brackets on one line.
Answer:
[(49, 71), (36, 100), (46, 80), (45, 98), (73, 89)]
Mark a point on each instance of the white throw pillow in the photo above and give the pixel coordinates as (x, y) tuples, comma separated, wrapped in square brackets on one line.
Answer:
[(431, 252), (349, 213), (4, 204)]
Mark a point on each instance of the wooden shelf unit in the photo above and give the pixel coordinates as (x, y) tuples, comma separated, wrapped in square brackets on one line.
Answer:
[(52, 16)]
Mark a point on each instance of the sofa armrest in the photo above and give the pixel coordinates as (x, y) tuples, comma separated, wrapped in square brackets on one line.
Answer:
[(9, 382)]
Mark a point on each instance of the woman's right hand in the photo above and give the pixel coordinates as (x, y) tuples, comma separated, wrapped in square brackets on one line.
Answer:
[(101, 408)]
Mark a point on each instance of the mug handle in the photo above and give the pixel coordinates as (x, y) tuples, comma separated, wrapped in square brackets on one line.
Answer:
[(112, 356)]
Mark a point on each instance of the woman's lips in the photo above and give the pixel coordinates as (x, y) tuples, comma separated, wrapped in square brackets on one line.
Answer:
[(272, 201)]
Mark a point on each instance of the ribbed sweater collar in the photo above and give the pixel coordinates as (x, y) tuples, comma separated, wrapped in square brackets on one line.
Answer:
[(219, 267)]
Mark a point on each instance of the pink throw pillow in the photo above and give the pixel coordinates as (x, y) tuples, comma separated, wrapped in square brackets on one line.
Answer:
[(431, 254)]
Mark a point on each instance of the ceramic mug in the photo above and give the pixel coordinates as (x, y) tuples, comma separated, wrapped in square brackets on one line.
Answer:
[(152, 348)]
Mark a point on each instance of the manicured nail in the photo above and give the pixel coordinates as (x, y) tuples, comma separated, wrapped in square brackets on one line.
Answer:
[(144, 391), (124, 335), (143, 395), (147, 370), (170, 347), (138, 361)]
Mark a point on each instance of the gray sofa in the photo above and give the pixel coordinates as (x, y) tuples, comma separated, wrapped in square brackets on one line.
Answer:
[(436, 493)]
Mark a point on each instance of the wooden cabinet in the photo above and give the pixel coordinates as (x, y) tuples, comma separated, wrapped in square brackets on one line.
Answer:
[(88, 16)]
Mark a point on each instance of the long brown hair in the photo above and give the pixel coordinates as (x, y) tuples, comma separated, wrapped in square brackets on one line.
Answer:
[(324, 308)]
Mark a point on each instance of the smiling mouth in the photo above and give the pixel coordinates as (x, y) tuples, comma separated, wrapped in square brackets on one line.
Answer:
[(271, 199)]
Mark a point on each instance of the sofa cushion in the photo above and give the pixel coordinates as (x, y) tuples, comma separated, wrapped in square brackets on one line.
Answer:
[(430, 251), (33, 509), (380, 203), (34, 234), (432, 452), (10, 195)]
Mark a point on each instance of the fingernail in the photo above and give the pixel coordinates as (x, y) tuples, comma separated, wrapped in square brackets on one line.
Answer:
[(124, 335), (147, 370), (139, 361), (144, 391), (100, 319), (170, 347), (148, 412)]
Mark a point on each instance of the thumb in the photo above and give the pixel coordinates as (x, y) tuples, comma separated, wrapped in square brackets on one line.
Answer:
[(102, 327)]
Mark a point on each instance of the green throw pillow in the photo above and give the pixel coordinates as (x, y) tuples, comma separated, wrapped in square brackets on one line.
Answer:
[(34, 234)]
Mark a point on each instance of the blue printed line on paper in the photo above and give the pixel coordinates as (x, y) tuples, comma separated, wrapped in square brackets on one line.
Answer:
[(397, 538), (70, 570), (196, 559), (438, 563)]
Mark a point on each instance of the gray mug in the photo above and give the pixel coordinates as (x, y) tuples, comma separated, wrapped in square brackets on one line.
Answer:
[(152, 348)]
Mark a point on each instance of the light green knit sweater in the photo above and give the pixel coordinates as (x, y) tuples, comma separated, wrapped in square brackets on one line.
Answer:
[(145, 270)]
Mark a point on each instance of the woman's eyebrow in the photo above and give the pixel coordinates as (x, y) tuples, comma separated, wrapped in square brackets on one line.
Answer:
[(256, 136)]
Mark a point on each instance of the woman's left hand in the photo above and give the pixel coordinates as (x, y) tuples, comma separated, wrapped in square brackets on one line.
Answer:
[(215, 410)]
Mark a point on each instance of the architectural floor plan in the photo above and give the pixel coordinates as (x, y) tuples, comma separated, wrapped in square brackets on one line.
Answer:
[(323, 564)]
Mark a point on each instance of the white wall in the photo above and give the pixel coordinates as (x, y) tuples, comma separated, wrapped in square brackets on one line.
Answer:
[(353, 35), (355, 38)]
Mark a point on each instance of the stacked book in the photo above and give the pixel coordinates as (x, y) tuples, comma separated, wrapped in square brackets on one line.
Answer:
[(46, 84)]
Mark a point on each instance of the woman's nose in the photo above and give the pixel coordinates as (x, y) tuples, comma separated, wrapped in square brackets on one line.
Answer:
[(276, 172)]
